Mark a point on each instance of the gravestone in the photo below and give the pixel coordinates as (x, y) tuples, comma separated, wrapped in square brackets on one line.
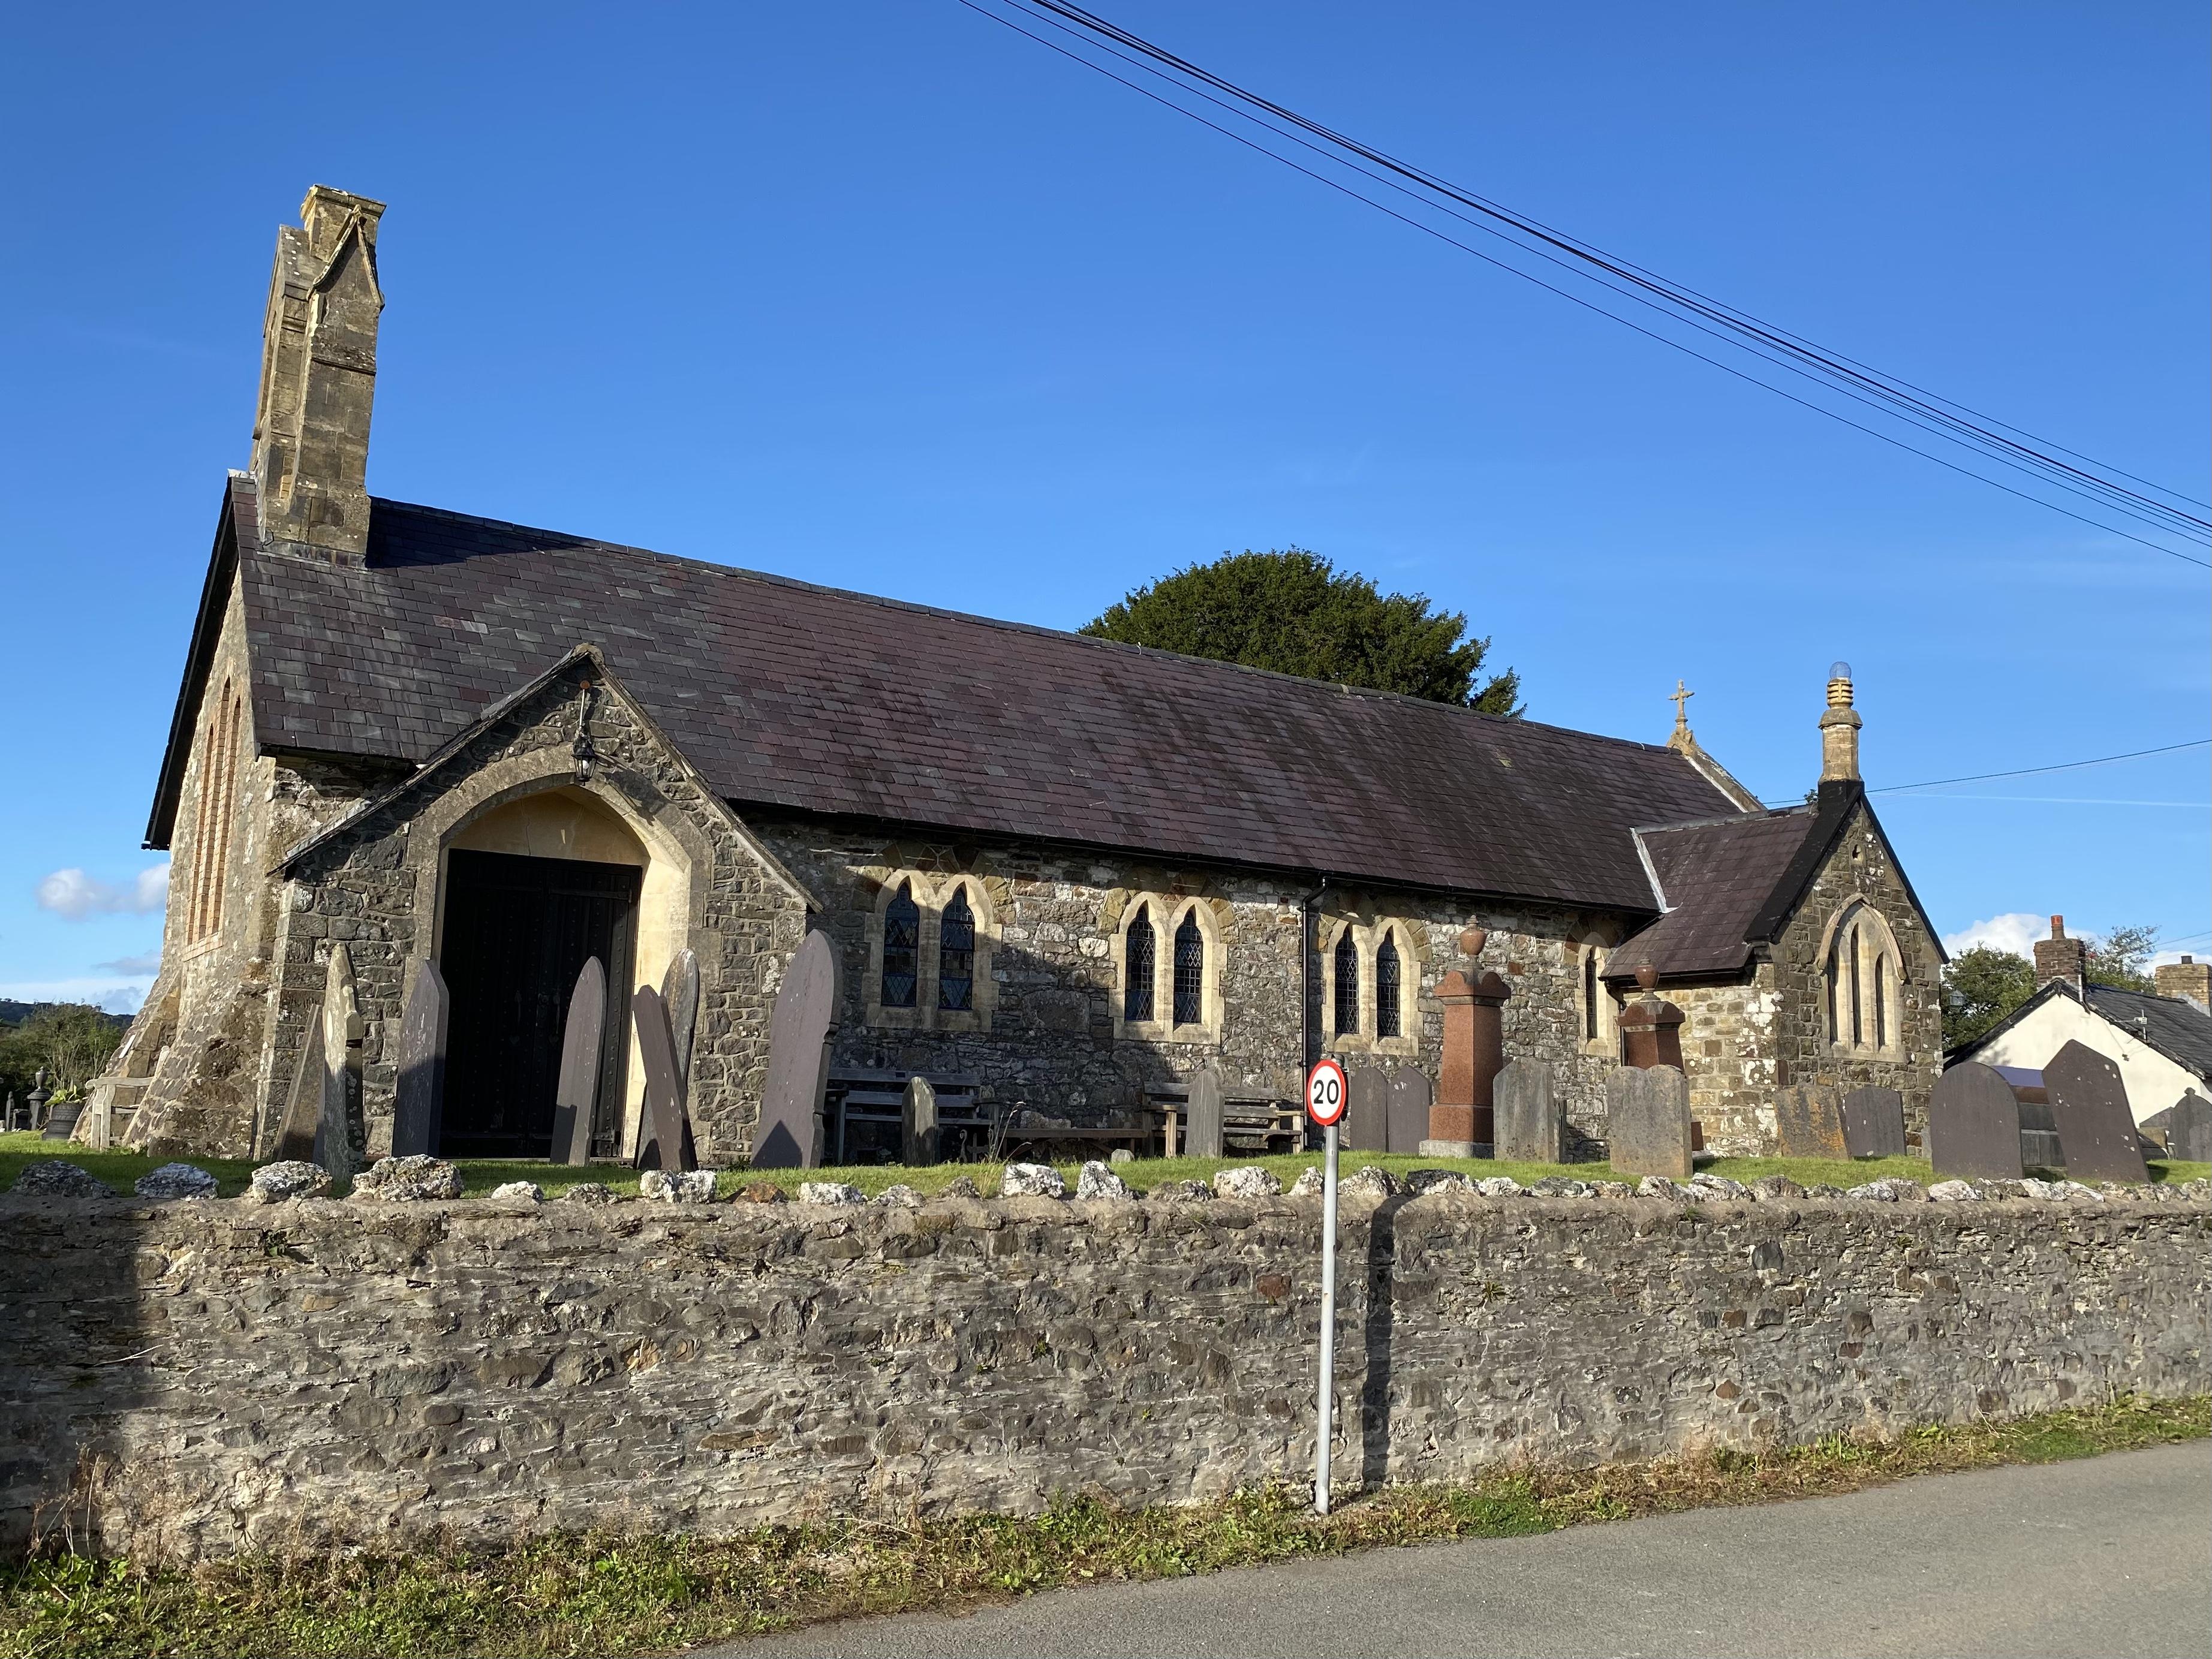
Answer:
[(789, 1133), (1974, 1125), (2089, 1105), (303, 1107), (1808, 1122), (2189, 1128), (1367, 1111), (679, 991), (576, 1098), (341, 1135), (665, 1141), (420, 1103), (1410, 1099), (61, 1117), (1531, 1125), (1201, 1134), (1648, 1120), (918, 1141), (1874, 1123)]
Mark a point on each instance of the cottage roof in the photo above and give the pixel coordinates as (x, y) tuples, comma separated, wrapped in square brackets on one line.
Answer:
[(791, 696), (2172, 1026)]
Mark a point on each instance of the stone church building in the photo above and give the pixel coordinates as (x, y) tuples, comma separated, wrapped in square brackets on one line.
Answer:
[(1067, 869)]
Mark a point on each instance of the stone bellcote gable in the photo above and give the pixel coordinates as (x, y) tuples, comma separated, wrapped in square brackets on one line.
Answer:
[(319, 379)]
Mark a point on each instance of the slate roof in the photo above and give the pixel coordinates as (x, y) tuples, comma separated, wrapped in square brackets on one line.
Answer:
[(788, 694), (1716, 878), (2177, 1029)]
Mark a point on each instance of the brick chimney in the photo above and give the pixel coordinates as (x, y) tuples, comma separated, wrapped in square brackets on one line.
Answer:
[(319, 379), (2187, 979), (2059, 957), (1839, 729)]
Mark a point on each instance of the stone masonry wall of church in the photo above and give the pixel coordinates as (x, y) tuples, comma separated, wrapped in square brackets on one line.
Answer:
[(1727, 1049), (1052, 1044)]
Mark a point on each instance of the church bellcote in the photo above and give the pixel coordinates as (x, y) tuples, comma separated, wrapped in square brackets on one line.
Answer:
[(1839, 729), (319, 379)]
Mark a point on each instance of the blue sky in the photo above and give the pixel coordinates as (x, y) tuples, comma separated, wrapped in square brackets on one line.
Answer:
[(884, 296)]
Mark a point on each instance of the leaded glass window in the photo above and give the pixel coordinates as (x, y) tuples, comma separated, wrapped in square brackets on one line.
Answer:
[(1589, 992), (956, 954), (1137, 969), (1390, 1016), (1347, 984), (1189, 973), (901, 948)]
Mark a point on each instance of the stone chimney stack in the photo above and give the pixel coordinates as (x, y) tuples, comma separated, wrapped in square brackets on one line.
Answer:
[(2059, 957), (1839, 729), (319, 379), (2187, 979)]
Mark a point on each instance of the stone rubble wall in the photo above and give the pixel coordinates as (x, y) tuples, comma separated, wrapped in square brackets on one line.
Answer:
[(222, 1374)]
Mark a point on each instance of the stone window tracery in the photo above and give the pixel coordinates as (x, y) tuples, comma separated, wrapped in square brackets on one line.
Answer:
[(932, 944), (1141, 943), (902, 976), (1390, 989), (1347, 968), (956, 954), (1862, 973)]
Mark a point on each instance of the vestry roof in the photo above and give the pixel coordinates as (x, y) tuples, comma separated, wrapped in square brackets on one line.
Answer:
[(788, 694), (1717, 878)]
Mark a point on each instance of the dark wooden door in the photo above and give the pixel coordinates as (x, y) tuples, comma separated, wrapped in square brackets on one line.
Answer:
[(518, 931)]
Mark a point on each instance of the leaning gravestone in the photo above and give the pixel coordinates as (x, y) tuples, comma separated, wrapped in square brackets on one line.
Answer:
[(2189, 1128), (1201, 1133), (1530, 1126), (1808, 1122), (303, 1107), (421, 1100), (1367, 1111), (1974, 1125), (679, 990), (1411, 1095), (1874, 1123), (2089, 1105), (1648, 1120), (341, 1136), (576, 1096), (918, 1140), (789, 1136), (666, 1142)]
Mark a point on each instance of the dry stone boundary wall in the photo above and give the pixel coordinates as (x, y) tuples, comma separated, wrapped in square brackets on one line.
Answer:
[(222, 1374)]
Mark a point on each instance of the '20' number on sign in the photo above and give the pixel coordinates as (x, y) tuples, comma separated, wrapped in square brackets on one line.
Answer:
[(1325, 1091)]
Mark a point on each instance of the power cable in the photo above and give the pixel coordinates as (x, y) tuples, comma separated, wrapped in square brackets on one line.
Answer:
[(2062, 766)]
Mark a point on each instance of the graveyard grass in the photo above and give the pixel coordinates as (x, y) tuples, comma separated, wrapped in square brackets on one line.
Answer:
[(644, 1595), (119, 1170)]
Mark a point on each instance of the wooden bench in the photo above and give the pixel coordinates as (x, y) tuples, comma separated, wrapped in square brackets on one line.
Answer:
[(1249, 1123), (864, 1117)]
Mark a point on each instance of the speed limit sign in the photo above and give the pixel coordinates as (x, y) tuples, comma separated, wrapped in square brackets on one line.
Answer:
[(1325, 1091)]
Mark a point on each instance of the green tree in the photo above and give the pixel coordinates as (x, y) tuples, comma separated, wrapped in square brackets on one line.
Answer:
[(1294, 612), (69, 1042), (2120, 956), (1980, 988)]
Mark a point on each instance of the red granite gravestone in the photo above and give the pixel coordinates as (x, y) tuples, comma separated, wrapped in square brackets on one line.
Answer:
[(421, 1092), (1808, 1122), (1367, 1111), (666, 1142), (1648, 1120), (1410, 1096), (1874, 1123), (577, 1097), (803, 1020), (1974, 1125), (2089, 1107)]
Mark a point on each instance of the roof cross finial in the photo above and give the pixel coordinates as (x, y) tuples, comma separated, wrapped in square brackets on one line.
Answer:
[(1680, 700)]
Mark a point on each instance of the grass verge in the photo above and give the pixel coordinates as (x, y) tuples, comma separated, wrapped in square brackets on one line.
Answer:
[(119, 1170), (639, 1595)]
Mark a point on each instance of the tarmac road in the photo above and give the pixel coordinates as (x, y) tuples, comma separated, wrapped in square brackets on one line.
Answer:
[(2107, 1556)]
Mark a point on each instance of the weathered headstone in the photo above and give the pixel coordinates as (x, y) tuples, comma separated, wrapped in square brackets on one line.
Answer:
[(303, 1107), (665, 1141), (1531, 1124), (1874, 1123), (2089, 1104), (61, 1119), (918, 1142), (576, 1096), (1974, 1125), (341, 1135), (789, 1135), (1648, 1120), (1201, 1135), (679, 990), (2189, 1128), (1808, 1122), (1367, 1111), (420, 1103), (1410, 1098)]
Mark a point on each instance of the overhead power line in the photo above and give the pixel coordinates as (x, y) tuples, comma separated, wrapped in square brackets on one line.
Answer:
[(2062, 766), (2106, 489)]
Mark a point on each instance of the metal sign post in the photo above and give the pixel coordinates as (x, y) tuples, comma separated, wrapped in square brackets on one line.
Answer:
[(1325, 1101)]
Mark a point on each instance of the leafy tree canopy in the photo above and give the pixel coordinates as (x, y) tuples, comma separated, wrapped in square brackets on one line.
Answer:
[(2121, 958), (1294, 612), (69, 1042), (1980, 988)]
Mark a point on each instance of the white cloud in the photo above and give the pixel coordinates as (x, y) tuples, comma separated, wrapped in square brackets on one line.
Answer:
[(74, 894), (148, 963), (2016, 931), (100, 992)]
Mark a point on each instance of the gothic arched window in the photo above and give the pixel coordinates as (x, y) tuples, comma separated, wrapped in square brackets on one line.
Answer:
[(1346, 971), (1136, 967), (956, 954), (1861, 977), (902, 949), (1390, 989), (1189, 972)]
